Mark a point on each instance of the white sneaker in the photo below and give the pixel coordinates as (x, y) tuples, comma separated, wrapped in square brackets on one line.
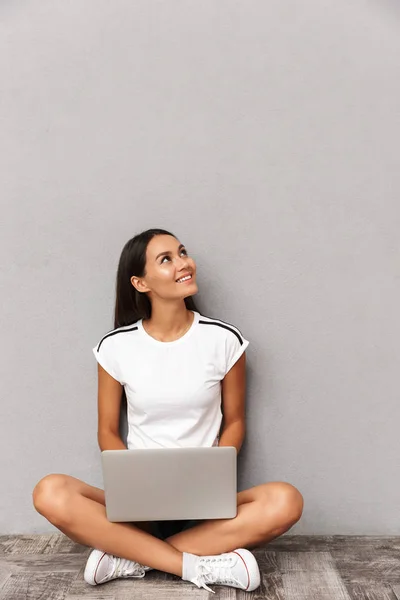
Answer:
[(102, 567), (238, 569)]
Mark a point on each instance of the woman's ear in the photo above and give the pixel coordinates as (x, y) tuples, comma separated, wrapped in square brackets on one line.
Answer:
[(138, 284)]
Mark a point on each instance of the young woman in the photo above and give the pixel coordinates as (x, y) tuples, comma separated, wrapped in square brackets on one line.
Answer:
[(183, 376)]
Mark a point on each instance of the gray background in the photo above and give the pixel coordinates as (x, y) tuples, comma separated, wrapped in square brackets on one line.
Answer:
[(266, 136)]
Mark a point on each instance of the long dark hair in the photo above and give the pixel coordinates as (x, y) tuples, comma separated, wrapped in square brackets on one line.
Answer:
[(131, 305)]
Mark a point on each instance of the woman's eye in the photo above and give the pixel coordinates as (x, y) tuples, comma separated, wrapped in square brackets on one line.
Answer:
[(183, 250)]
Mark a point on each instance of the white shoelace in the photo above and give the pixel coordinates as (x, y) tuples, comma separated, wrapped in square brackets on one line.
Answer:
[(215, 570), (123, 568)]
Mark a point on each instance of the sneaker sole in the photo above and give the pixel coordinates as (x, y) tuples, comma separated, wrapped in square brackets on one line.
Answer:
[(252, 569), (92, 566)]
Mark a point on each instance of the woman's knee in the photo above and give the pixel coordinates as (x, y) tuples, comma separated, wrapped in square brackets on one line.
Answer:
[(289, 502), (50, 496), (282, 499)]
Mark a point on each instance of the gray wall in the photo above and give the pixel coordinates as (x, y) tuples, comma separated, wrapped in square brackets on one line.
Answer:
[(266, 135)]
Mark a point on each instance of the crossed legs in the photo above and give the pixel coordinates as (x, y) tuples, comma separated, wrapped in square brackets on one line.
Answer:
[(77, 509)]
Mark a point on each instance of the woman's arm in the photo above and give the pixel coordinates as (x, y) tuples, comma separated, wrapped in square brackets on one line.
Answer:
[(109, 406), (108, 440), (233, 435), (233, 405)]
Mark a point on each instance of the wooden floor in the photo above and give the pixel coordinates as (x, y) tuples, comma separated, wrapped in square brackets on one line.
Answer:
[(50, 567)]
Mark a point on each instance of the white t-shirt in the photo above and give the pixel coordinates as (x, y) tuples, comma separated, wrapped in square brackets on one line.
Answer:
[(173, 389)]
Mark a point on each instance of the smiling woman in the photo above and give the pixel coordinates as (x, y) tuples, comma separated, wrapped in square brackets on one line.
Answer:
[(183, 375), (150, 266), (166, 263)]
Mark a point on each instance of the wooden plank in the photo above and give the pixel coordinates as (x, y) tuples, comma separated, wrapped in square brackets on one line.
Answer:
[(372, 592), (368, 565), (396, 591), (23, 544), (37, 563), (79, 589), (51, 567), (38, 544), (310, 576), (4, 575), (155, 584), (315, 585), (36, 586), (333, 543), (59, 542)]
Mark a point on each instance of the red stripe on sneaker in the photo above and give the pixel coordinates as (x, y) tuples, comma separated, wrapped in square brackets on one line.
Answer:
[(244, 562), (98, 564)]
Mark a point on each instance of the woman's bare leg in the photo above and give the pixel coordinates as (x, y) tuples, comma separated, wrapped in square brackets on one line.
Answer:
[(78, 510), (265, 512)]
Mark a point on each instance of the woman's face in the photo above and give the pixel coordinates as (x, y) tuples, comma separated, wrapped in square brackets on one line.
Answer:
[(167, 260)]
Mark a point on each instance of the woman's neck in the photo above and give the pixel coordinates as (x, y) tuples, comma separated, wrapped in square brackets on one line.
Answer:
[(168, 322)]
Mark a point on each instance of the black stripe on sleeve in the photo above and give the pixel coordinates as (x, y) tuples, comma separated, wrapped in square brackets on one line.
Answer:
[(224, 326), (114, 333)]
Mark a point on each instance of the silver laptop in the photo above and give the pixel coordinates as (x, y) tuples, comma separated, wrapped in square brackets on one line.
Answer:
[(161, 484)]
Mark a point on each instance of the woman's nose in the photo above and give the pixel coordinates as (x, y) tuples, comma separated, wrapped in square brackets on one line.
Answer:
[(183, 262)]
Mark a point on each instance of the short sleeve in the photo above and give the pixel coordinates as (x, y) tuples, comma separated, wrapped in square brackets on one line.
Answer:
[(105, 354), (235, 345)]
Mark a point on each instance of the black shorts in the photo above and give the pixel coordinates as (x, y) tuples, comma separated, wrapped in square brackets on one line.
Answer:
[(164, 529)]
